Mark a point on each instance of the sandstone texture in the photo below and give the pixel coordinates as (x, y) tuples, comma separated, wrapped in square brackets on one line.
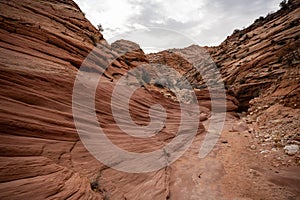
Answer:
[(44, 44), (263, 59)]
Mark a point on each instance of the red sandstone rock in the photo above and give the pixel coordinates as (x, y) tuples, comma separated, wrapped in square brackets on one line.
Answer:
[(42, 45)]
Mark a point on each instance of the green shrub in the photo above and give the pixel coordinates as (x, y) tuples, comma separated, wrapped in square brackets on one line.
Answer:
[(94, 186), (100, 28), (284, 4)]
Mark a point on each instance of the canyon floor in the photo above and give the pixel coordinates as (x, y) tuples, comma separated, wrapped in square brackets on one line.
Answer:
[(232, 171)]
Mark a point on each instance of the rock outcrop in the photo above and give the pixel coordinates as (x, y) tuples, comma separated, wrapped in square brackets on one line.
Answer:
[(260, 68), (195, 65), (263, 59), (178, 63), (261, 65), (43, 44)]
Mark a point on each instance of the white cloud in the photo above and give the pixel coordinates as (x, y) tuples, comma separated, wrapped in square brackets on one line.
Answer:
[(207, 22), (112, 14), (182, 11)]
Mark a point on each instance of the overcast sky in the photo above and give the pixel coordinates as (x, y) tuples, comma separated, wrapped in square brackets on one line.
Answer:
[(177, 23)]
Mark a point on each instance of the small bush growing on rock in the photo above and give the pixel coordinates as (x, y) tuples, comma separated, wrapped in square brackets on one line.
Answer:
[(94, 186), (100, 28), (236, 31), (284, 4), (261, 18)]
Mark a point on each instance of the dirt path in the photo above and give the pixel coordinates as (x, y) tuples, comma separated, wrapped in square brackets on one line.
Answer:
[(231, 171)]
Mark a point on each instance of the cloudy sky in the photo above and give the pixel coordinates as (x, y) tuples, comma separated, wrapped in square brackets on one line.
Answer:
[(162, 24)]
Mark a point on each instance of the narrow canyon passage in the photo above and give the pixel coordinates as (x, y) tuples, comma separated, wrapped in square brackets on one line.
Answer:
[(46, 118)]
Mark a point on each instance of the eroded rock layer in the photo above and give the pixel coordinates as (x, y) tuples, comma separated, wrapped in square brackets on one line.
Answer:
[(42, 46), (43, 43), (263, 59)]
